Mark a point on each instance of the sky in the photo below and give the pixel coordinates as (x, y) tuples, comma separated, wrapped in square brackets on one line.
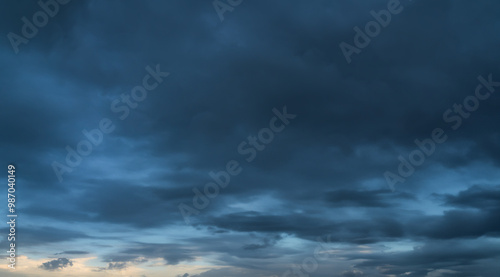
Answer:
[(251, 138)]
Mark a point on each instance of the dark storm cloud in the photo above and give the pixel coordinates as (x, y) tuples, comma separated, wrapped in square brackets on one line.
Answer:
[(240, 249), (451, 225), (197, 105), (321, 175), (172, 254), (59, 263), (435, 255), (479, 197), (307, 227), (35, 235), (266, 242), (379, 198)]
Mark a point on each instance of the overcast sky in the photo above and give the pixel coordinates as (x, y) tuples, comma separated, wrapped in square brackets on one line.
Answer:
[(252, 138)]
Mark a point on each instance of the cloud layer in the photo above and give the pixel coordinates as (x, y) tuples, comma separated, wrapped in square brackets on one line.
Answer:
[(319, 178)]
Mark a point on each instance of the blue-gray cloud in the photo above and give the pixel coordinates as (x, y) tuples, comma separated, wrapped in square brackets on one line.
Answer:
[(322, 175)]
